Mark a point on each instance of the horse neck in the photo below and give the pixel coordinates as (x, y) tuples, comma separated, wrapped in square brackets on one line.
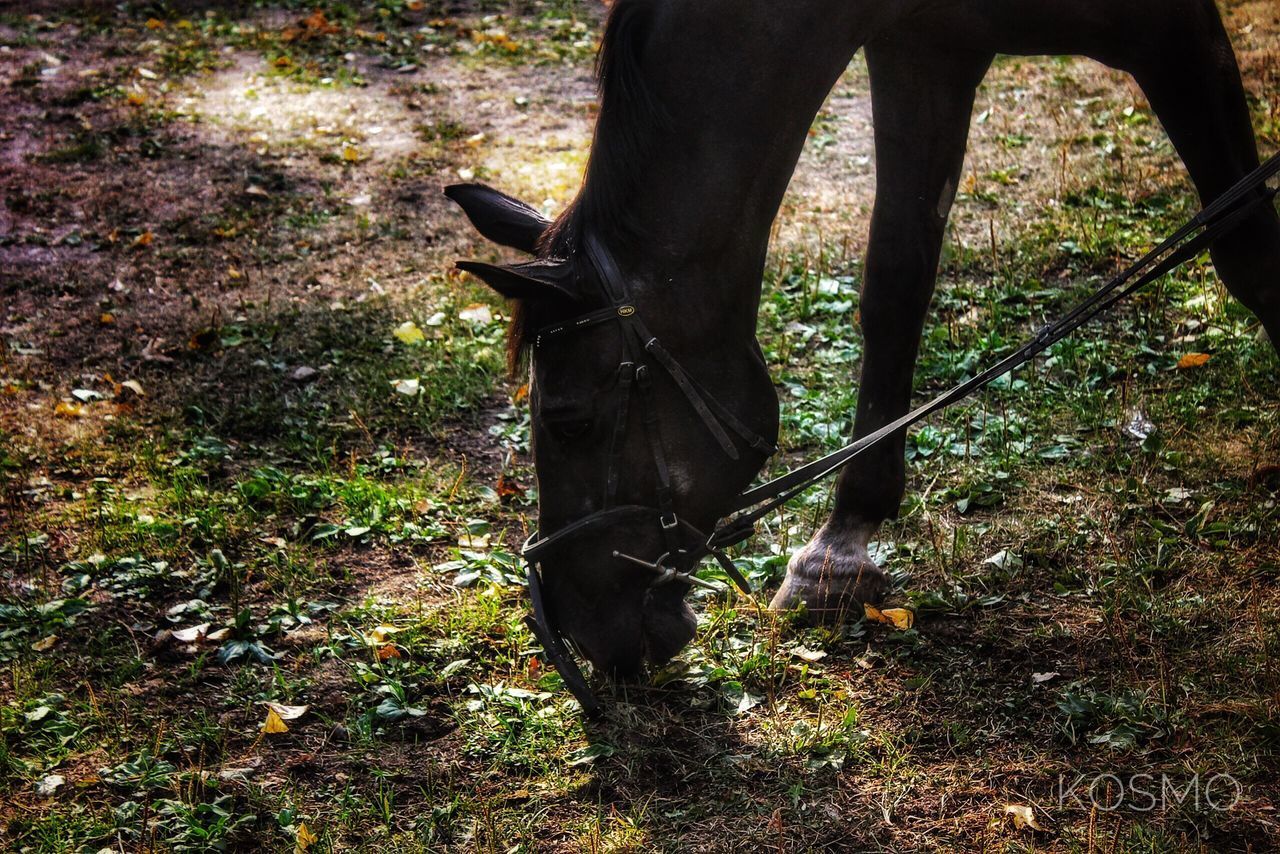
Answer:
[(738, 103)]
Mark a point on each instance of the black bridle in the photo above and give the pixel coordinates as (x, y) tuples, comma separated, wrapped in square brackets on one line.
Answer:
[(642, 351), (684, 544)]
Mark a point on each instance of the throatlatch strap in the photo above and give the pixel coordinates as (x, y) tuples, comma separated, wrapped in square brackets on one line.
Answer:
[(653, 348), (752, 438)]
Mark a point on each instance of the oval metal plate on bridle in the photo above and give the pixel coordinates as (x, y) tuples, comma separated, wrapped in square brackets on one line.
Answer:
[(626, 310)]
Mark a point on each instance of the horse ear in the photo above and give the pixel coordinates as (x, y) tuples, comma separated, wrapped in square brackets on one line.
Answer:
[(497, 216), (535, 280)]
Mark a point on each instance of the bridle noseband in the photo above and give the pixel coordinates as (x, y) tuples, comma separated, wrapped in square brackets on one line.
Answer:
[(684, 544)]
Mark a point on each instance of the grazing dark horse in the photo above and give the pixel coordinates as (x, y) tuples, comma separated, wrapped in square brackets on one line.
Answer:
[(705, 106)]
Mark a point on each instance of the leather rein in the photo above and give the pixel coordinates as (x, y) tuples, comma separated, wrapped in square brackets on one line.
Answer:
[(642, 352)]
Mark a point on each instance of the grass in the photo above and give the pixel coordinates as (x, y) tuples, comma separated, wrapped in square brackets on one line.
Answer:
[(316, 498)]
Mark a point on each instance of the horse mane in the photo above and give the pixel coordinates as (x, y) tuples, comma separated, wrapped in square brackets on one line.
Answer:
[(630, 118)]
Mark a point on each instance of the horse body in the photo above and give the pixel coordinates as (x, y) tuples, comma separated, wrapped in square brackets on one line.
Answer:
[(705, 109)]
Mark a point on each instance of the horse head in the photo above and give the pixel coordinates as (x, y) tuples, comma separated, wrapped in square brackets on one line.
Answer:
[(649, 416)]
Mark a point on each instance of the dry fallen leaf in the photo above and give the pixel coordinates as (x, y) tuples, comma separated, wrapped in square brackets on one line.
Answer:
[(1023, 816), (134, 386), (319, 23), (304, 374), (1193, 360), (286, 713), (900, 618), (509, 489), (49, 785), (478, 313), (388, 651), (66, 409), (409, 388), (274, 723), (810, 655), (192, 634), (144, 239), (304, 838), (45, 644)]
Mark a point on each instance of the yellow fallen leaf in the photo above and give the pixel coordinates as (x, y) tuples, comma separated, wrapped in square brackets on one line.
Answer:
[(107, 318), (350, 153), (234, 273), (274, 723), (1023, 816), (66, 409), (304, 838), (408, 333), (144, 239), (381, 633), (155, 24), (900, 618), (1193, 360)]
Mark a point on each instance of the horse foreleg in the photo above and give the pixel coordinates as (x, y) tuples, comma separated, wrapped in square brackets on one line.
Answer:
[(1194, 86), (922, 95)]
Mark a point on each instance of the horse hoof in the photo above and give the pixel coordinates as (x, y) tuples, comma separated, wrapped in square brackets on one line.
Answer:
[(833, 577)]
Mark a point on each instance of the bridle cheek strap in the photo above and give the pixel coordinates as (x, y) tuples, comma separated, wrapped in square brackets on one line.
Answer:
[(540, 624), (626, 379)]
